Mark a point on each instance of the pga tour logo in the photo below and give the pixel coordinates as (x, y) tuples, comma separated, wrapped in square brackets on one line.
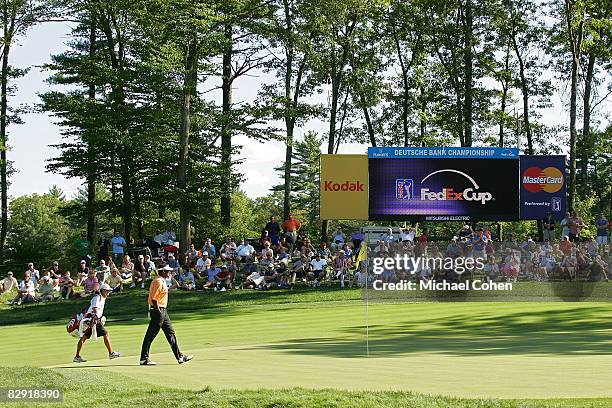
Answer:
[(404, 189), (448, 194)]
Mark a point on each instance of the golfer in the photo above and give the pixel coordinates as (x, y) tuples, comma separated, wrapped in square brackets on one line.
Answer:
[(95, 313), (158, 301)]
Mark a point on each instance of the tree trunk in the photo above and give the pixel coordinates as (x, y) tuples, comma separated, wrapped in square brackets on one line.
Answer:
[(190, 80), (91, 170), (126, 197), (525, 94), (4, 145), (226, 132), (289, 120), (468, 102), (586, 123)]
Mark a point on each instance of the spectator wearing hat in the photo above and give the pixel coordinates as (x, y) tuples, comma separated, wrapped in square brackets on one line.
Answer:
[(211, 273), (102, 271), (228, 249), (26, 291), (95, 312), (66, 285), (46, 290), (224, 279), (202, 265), (114, 281), (34, 273), (9, 283), (55, 272)]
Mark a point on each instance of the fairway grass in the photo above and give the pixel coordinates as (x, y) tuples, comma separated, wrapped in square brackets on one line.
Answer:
[(480, 352)]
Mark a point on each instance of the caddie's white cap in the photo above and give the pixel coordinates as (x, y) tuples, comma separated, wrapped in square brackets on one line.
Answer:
[(105, 286)]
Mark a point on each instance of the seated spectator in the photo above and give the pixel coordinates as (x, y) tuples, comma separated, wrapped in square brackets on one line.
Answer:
[(66, 285), (266, 250), (224, 279), (253, 281), (34, 273), (491, 270), (90, 285), (210, 249), (338, 239), (268, 260), (46, 290), (186, 279), (317, 270), (102, 271), (228, 249), (171, 282), (245, 251), (139, 274), (191, 255), (26, 291), (127, 268), (203, 265), (283, 253), (324, 251), (150, 267), (566, 246), (114, 281), (341, 267), (212, 272), (82, 272), (265, 237), (271, 278), (9, 283), (55, 272)]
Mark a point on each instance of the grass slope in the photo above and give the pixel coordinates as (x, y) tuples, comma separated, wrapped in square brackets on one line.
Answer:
[(311, 341)]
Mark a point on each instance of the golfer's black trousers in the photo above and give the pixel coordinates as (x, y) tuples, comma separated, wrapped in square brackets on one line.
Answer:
[(159, 320)]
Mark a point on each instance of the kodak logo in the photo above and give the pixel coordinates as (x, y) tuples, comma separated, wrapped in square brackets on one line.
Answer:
[(346, 186)]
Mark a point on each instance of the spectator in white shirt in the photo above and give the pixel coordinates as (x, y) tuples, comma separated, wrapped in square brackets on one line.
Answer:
[(245, 251), (26, 290), (9, 283)]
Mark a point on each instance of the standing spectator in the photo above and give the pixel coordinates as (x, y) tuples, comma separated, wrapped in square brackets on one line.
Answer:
[(565, 225), (602, 230), (579, 226), (291, 226), (118, 247), (114, 281), (9, 283), (83, 247), (45, 290), (406, 234), (34, 273), (549, 228), (26, 290), (273, 229), (66, 285), (103, 246)]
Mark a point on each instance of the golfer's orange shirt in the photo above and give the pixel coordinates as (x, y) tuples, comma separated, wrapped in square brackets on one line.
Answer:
[(158, 292)]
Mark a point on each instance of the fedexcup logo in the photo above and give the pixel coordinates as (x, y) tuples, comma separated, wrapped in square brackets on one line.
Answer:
[(448, 194), (549, 180)]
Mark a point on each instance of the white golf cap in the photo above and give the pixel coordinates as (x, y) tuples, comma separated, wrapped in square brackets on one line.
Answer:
[(204, 253), (105, 286), (167, 268)]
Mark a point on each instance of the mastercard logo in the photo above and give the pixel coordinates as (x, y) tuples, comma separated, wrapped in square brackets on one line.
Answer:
[(536, 179)]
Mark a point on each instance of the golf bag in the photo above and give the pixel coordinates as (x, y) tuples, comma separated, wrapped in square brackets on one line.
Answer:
[(80, 322)]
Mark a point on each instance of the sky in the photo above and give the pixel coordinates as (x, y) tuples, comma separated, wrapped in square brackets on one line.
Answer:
[(30, 143)]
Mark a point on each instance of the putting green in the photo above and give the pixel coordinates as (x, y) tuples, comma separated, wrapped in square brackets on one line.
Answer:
[(485, 350)]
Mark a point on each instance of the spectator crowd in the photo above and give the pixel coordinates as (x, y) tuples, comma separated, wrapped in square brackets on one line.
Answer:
[(284, 257)]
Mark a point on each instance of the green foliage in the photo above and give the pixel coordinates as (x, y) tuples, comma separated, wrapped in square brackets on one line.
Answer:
[(37, 233)]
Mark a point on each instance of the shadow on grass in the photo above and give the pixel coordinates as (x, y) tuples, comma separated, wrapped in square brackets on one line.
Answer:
[(133, 304), (586, 331)]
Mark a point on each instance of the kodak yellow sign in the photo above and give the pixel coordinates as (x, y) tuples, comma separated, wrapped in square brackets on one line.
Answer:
[(344, 187)]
